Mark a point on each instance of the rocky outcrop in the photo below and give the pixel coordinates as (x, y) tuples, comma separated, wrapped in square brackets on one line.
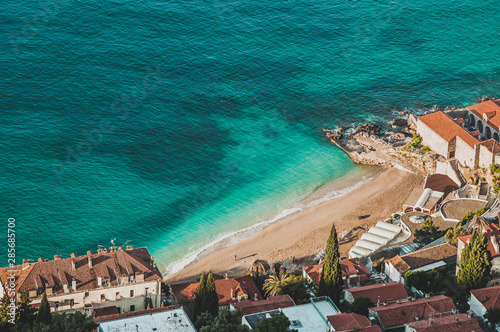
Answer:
[(412, 122)]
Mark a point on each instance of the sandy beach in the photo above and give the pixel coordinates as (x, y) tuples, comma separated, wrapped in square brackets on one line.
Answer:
[(304, 234)]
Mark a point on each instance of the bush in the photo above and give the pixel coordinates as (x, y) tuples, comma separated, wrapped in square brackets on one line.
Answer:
[(360, 306), (495, 168), (427, 233), (493, 315), (416, 140)]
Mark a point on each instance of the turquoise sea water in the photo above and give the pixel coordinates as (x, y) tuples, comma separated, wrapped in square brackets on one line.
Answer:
[(167, 123)]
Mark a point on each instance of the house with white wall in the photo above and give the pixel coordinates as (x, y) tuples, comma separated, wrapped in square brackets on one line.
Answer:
[(125, 278)]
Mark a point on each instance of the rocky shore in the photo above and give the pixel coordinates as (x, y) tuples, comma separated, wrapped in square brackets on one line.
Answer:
[(393, 146)]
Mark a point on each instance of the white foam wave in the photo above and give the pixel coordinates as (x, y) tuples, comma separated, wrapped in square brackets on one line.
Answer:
[(229, 238)]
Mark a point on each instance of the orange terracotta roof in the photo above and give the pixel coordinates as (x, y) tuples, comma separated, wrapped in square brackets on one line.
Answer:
[(452, 323), (389, 291), (489, 297), (349, 267), (492, 145), (110, 266), (489, 235), (350, 322), (241, 285), (491, 109), (272, 303), (443, 125), (402, 313)]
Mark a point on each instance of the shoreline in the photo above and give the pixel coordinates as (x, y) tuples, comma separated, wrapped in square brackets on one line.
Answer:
[(324, 193), (303, 234)]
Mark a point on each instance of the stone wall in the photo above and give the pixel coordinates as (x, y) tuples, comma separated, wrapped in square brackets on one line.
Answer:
[(464, 153), (432, 140), (486, 158)]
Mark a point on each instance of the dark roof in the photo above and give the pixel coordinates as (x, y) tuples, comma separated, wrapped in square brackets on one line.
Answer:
[(388, 291), (272, 303), (134, 313), (106, 311), (402, 313), (423, 257), (441, 182)]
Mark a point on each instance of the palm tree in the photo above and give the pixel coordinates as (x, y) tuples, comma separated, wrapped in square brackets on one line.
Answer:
[(479, 223), (274, 285), (259, 267)]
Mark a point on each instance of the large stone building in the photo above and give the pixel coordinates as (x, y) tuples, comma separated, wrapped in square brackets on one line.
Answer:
[(127, 279), (477, 146)]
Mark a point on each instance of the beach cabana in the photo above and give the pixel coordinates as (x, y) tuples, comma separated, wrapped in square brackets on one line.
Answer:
[(381, 232), (374, 238), (388, 226), (368, 245), (422, 200)]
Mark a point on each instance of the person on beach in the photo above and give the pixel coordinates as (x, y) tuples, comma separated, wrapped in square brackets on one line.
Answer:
[(234, 257)]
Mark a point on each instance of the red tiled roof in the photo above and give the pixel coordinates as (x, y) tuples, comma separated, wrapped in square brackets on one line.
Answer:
[(489, 297), (241, 285), (109, 266), (492, 145), (491, 231), (272, 303), (453, 323), (443, 125), (134, 313), (491, 109), (402, 313), (389, 291), (349, 267), (350, 322)]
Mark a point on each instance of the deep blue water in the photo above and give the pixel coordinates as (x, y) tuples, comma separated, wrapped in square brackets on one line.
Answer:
[(167, 123)]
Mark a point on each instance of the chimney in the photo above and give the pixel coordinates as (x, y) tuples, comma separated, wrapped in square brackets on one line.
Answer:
[(99, 281), (430, 321), (255, 297), (130, 247), (73, 255), (73, 264), (372, 320), (100, 251), (73, 285), (378, 301), (112, 249), (154, 265), (427, 295), (26, 263), (89, 256), (57, 257), (226, 276), (120, 248), (40, 259)]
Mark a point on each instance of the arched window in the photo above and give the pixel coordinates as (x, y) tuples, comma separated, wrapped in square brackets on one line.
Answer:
[(479, 126), (472, 121), (496, 137), (488, 132)]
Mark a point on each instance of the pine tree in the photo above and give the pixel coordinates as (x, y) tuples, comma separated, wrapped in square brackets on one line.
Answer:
[(4, 313), (44, 316), (199, 294), (475, 263), (330, 283), (211, 299), (25, 313)]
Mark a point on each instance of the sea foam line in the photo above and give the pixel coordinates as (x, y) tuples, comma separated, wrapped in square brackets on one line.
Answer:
[(231, 238)]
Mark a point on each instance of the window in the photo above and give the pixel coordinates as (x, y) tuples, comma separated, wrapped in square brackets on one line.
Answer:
[(103, 297), (132, 307), (87, 294), (56, 306), (119, 281), (131, 293), (107, 282), (118, 296), (452, 154), (71, 303), (119, 309), (131, 278), (147, 292)]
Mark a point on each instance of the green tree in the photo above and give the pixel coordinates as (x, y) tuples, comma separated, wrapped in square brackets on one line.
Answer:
[(225, 321), (361, 305), (427, 233), (43, 315), (25, 313), (453, 234), (198, 297), (210, 301), (330, 283), (275, 285), (4, 314), (278, 323), (493, 315), (475, 263)]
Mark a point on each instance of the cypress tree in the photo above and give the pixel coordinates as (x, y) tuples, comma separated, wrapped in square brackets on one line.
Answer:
[(4, 313), (475, 263), (25, 313), (198, 296), (330, 283), (44, 316), (211, 299)]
